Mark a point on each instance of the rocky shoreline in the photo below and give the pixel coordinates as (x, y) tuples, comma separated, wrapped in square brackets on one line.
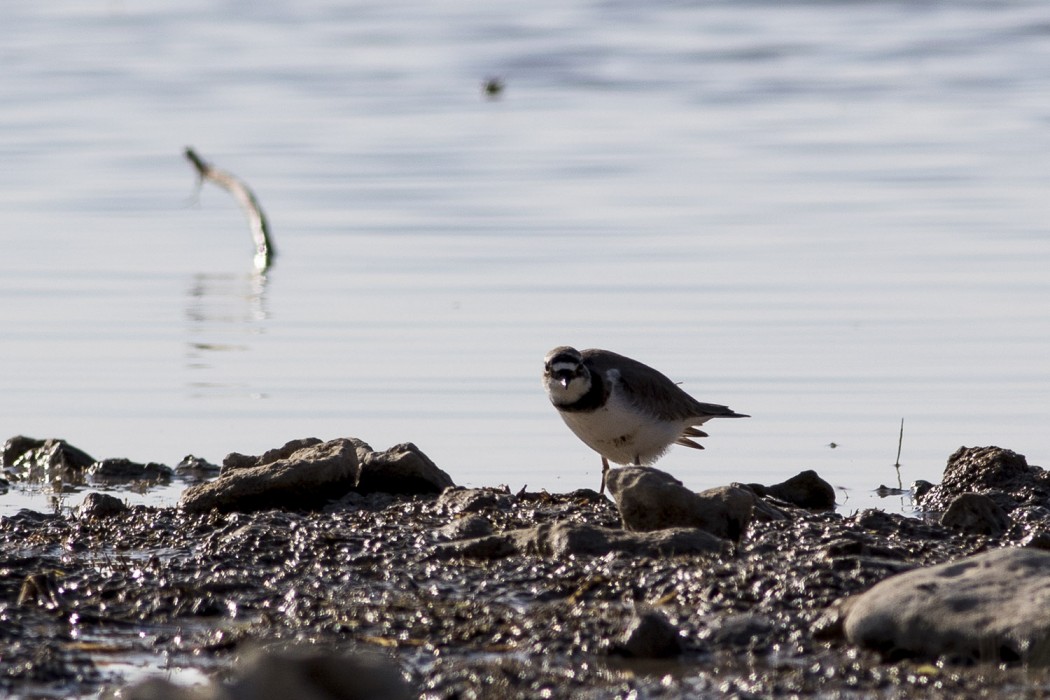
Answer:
[(332, 570)]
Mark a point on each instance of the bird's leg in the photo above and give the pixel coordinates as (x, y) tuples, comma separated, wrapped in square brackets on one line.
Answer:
[(605, 468)]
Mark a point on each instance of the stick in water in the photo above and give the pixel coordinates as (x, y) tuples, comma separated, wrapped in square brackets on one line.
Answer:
[(900, 441), (264, 251)]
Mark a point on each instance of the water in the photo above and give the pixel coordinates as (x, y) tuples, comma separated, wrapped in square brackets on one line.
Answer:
[(828, 215)]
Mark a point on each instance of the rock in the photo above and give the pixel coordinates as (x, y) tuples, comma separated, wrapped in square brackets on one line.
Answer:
[(1038, 539), (586, 496), (650, 635), (362, 447), (469, 527), (461, 500), (121, 470), (45, 460), (919, 489), (17, 446), (986, 607), (402, 469), (307, 478), (352, 500), (1031, 516), (299, 672), (742, 630), (805, 490), (764, 511), (566, 539), (41, 589), (100, 505), (489, 547), (649, 499), (196, 468), (161, 689), (563, 539), (1000, 474), (854, 544), (32, 518), (316, 674), (235, 460), (976, 514), (573, 540)]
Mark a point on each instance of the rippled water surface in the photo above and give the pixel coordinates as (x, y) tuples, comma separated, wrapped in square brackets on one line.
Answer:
[(828, 215)]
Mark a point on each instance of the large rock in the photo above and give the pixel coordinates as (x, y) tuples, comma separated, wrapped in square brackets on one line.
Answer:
[(993, 606), (308, 473), (1000, 474), (650, 499), (305, 477)]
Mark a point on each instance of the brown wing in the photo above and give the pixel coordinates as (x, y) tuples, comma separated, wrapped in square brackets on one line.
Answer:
[(653, 392)]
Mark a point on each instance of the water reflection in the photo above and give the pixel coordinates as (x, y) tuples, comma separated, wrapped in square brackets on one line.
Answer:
[(224, 313)]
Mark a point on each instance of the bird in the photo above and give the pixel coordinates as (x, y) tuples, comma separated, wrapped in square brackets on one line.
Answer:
[(626, 411)]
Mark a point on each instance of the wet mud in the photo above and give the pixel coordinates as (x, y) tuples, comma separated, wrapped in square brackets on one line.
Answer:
[(84, 595)]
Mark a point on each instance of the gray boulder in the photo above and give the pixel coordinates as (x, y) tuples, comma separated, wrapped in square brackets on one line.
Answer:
[(304, 477), (650, 499), (991, 606)]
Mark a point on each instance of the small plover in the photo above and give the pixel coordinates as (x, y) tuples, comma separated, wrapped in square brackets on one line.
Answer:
[(627, 412)]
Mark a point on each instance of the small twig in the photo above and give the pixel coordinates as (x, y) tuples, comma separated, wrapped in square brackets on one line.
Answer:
[(264, 250), (897, 464), (900, 442)]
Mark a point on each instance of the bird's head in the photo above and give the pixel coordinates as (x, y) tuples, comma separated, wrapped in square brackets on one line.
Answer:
[(565, 376)]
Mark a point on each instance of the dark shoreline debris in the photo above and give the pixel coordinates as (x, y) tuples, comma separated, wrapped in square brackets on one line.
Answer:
[(535, 594)]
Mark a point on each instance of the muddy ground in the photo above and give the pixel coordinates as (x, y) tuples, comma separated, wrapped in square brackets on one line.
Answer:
[(81, 594)]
